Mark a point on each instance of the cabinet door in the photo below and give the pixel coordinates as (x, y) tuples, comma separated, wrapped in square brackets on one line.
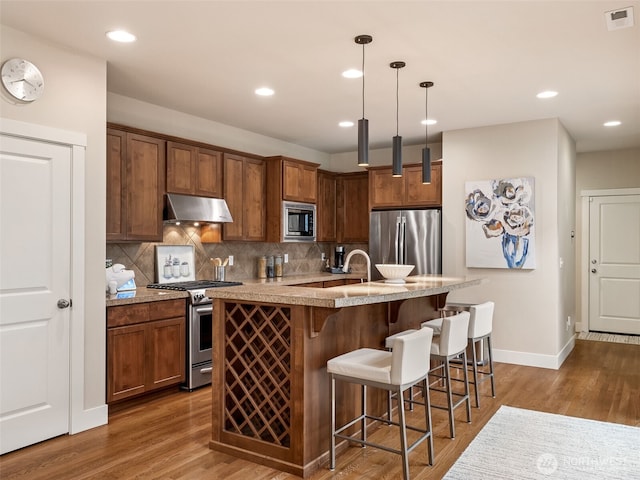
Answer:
[(416, 193), (326, 222), (255, 189), (145, 187), (126, 361), (181, 168), (385, 190), (234, 196), (208, 173), (166, 347), (354, 208), (116, 159), (299, 182)]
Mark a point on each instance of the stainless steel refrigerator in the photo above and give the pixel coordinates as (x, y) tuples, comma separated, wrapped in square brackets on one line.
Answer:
[(410, 237)]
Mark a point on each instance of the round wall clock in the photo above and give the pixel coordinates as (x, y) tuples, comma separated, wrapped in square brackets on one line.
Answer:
[(22, 79)]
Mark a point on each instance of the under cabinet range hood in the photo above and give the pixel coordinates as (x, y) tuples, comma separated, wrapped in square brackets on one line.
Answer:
[(185, 208)]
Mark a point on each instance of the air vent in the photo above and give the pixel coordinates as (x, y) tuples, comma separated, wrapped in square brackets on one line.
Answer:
[(617, 19)]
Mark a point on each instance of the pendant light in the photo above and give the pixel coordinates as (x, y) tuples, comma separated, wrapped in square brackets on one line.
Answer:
[(397, 140), (426, 154), (363, 123)]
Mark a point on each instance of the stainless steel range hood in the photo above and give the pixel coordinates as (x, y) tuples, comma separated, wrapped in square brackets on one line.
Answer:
[(185, 208)]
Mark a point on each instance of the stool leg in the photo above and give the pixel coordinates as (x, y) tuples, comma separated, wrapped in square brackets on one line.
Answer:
[(403, 435), (364, 414), (490, 354), (427, 416), (475, 371), (466, 385), (447, 379), (332, 444)]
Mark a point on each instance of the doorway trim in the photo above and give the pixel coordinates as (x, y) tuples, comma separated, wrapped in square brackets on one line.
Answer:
[(80, 419), (586, 196)]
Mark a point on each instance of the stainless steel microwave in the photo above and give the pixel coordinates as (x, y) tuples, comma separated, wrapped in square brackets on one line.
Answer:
[(298, 222)]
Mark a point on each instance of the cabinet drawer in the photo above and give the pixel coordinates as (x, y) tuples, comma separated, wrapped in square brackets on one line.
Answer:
[(127, 314), (167, 309)]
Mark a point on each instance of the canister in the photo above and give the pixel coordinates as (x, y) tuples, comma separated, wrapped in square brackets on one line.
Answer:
[(262, 267), (278, 265)]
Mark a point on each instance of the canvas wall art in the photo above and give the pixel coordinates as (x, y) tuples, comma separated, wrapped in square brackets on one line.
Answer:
[(500, 223)]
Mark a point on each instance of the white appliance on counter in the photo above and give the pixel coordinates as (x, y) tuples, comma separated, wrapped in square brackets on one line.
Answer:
[(119, 279)]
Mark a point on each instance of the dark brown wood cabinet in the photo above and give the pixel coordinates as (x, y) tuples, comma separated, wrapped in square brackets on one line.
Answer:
[(145, 347), (326, 207), (386, 191), (135, 186), (245, 188), (193, 170), (352, 207)]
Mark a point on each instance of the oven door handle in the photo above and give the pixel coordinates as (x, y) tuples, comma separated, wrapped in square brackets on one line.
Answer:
[(205, 310)]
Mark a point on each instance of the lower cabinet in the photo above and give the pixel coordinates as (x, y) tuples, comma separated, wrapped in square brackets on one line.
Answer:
[(145, 347)]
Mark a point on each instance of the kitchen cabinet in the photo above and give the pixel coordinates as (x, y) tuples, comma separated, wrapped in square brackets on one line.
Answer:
[(193, 170), (352, 208), (326, 207), (245, 181), (135, 186), (145, 347), (386, 191), (291, 180)]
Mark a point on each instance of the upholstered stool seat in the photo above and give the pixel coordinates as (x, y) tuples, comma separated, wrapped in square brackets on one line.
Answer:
[(405, 365), (388, 344), (480, 327)]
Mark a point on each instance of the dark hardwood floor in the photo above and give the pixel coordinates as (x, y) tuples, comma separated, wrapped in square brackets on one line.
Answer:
[(167, 436)]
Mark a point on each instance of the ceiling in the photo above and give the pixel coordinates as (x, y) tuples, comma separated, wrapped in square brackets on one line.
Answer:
[(488, 61)]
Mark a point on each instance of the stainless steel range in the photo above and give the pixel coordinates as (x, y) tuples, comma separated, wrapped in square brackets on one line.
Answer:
[(199, 328)]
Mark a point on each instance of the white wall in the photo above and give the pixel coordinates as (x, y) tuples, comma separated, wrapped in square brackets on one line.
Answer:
[(601, 171), (74, 99), (526, 321)]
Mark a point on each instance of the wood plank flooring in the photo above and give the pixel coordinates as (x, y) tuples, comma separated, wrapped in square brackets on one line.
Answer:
[(166, 437)]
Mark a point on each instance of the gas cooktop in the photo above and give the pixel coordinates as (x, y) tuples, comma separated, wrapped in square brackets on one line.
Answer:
[(192, 285)]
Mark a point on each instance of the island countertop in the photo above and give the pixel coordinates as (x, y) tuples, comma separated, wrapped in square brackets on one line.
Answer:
[(368, 293)]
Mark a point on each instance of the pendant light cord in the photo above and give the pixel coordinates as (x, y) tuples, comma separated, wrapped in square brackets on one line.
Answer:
[(426, 117), (397, 101), (363, 80)]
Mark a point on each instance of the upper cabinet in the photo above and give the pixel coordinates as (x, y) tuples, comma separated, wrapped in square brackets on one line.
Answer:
[(193, 170), (352, 207), (287, 179), (245, 187), (386, 191), (326, 210), (135, 186)]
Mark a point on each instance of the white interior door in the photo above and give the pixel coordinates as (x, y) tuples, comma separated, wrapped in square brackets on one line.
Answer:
[(614, 264), (35, 246)]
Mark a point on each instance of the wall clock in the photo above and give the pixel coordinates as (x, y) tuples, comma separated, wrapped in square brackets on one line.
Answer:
[(22, 79)]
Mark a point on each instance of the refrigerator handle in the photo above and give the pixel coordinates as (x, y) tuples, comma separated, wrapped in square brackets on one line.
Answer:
[(402, 250), (398, 240)]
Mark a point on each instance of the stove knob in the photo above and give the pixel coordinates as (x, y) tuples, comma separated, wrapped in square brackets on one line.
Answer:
[(198, 296)]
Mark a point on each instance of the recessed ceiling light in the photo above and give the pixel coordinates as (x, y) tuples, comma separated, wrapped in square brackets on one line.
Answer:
[(429, 122), (547, 94), (346, 124), (121, 36), (264, 91), (612, 123), (352, 73)]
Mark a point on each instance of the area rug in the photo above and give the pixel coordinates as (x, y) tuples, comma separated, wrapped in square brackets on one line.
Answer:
[(524, 444), (609, 337)]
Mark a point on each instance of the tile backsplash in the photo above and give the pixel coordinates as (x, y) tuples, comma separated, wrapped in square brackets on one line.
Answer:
[(303, 257)]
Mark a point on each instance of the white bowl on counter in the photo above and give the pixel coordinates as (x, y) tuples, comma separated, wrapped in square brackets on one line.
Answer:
[(394, 273)]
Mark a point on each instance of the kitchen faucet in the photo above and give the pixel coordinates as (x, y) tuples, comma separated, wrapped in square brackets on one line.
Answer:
[(345, 268)]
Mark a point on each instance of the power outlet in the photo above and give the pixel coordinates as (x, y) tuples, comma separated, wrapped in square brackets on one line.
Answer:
[(568, 326), (230, 260), (286, 258)]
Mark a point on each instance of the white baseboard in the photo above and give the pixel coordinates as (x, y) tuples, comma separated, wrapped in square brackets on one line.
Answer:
[(87, 419), (535, 359)]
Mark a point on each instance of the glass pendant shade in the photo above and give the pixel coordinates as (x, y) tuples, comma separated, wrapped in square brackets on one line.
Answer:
[(426, 165), (397, 156), (363, 142)]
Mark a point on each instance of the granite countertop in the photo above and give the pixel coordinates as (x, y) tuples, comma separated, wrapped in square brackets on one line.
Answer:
[(287, 293), (143, 294)]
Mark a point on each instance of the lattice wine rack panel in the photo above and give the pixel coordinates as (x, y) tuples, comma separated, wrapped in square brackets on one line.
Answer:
[(257, 401)]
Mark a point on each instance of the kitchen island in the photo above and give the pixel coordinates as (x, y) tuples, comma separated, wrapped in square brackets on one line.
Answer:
[(270, 395)]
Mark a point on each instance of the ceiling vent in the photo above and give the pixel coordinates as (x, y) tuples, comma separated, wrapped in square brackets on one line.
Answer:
[(617, 19)]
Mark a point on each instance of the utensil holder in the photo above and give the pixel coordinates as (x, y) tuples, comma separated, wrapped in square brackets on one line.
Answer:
[(219, 273)]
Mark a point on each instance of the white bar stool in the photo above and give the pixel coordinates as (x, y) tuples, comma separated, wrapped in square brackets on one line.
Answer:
[(480, 327), (406, 365), (388, 344), (450, 344)]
